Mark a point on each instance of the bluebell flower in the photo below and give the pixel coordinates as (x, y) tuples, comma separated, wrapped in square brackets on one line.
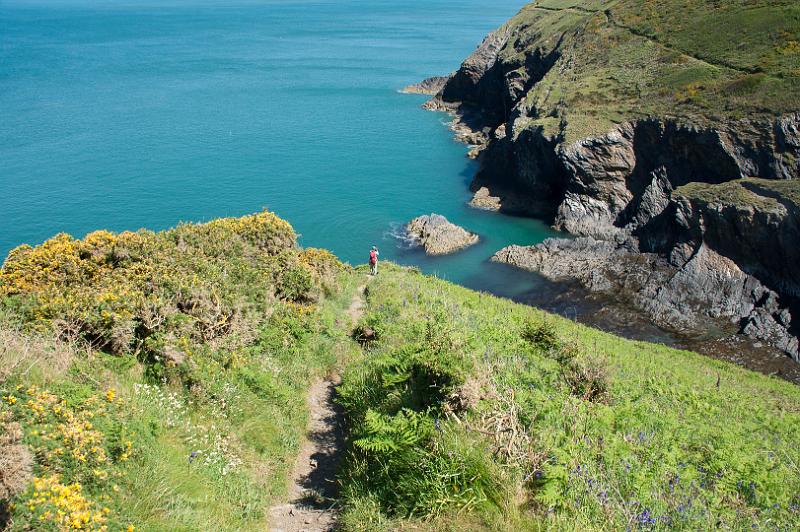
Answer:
[(645, 519)]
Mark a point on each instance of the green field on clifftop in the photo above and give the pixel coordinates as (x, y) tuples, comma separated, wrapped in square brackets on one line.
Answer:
[(157, 381), (701, 60)]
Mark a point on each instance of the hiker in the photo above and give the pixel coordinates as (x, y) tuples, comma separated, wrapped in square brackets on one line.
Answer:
[(373, 260)]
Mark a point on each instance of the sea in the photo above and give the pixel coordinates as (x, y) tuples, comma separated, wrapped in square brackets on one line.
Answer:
[(121, 114)]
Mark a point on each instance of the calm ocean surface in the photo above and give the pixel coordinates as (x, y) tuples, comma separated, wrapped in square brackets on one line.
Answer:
[(129, 114)]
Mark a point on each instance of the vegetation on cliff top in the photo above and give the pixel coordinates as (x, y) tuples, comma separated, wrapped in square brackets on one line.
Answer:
[(157, 380), (178, 403), (701, 60), (764, 194)]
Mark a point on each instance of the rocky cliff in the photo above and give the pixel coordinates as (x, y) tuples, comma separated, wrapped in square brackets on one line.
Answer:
[(662, 135)]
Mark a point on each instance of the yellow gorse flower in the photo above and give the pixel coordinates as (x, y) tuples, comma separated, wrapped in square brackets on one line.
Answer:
[(65, 506)]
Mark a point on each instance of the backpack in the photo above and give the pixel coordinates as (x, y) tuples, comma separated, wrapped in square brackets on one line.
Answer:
[(373, 257)]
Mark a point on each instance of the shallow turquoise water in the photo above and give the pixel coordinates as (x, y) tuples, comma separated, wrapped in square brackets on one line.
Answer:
[(123, 115)]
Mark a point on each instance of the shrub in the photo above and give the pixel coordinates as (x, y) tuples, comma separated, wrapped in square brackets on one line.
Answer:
[(79, 440), (587, 378), (16, 464), (295, 283), (151, 294), (541, 334)]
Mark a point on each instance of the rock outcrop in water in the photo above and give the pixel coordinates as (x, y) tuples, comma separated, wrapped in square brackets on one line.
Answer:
[(632, 131), (438, 236), (430, 85)]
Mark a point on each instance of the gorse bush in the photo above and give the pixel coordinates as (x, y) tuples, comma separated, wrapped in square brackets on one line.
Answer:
[(587, 378), (154, 294), (541, 334), (68, 434), (585, 375), (178, 402)]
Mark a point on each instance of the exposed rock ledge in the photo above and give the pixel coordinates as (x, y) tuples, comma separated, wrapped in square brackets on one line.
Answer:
[(438, 236), (705, 292), (429, 86)]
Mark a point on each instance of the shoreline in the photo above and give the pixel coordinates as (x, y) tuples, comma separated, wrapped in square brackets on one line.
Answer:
[(598, 310)]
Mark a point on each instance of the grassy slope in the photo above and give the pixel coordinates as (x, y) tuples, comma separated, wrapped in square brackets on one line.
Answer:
[(624, 434), (185, 426), (468, 412), (702, 60)]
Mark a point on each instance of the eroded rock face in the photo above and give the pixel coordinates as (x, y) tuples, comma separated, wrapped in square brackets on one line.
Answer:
[(705, 292), (438, 236), (479, 80)]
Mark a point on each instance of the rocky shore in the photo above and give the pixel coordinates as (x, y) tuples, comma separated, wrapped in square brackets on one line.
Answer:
[(658, 190), (706, 292)]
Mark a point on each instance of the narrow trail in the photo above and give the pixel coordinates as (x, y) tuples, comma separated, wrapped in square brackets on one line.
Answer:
[(313, 504), (357, 305)]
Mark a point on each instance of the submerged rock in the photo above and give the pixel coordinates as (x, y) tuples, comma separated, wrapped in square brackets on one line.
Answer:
[(438, 236)]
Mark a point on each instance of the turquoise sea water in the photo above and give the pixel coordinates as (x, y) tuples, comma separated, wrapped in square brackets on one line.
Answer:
[(129, 114)]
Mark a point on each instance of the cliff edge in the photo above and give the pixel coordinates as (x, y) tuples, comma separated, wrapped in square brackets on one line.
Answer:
[(668, 130)]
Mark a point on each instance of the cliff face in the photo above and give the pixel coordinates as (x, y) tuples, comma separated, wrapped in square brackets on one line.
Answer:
[(640, 126)]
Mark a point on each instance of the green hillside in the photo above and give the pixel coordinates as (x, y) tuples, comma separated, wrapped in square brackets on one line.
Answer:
[(156, 381), (702, 60)]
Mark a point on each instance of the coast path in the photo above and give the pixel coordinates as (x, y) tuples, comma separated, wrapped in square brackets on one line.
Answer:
[(313, 497)]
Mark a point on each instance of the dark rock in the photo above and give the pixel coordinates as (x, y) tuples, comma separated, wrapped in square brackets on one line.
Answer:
[(364, 335), (707, 292)]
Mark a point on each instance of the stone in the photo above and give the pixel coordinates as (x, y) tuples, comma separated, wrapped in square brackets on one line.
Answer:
[(438, 236), (485, 201)]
